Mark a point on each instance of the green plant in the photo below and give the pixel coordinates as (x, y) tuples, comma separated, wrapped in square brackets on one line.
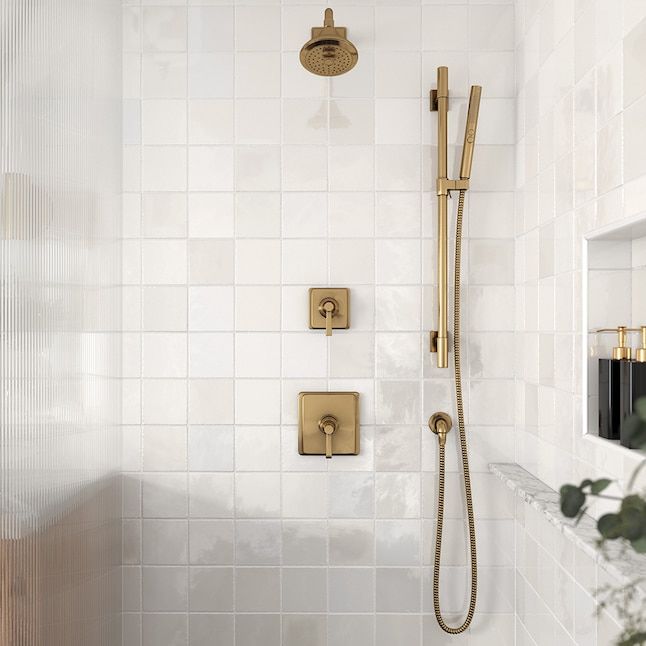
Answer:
[(627, 524)]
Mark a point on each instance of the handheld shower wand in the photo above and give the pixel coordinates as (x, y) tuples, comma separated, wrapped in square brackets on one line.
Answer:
[(440, 423)]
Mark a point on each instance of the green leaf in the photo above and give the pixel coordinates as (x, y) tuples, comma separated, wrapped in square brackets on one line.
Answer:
[(572, 499), (634, 501), (633, 429), (633, 523), (639, 545), (609, 526), (640, 408), (599, 485), (585, 483)]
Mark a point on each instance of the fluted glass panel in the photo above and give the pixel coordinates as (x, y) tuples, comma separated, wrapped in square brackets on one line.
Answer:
[(60, 314)]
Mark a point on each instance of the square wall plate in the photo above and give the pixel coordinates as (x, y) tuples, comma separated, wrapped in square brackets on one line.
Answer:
[(314, 406), (341, 318)]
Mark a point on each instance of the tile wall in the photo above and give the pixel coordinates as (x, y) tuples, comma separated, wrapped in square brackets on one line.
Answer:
[(581, 101), (247, 181)]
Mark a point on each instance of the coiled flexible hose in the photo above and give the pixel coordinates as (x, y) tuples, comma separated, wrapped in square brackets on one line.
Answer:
[(465, 458)]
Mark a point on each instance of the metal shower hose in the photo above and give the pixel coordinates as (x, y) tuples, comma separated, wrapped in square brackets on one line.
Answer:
[(465, 457)]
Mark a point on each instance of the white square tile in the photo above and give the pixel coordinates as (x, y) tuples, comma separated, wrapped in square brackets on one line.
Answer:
[(210, 121), (210, 355), (398, 121), (351, 215), (164, 168), (304, 354), (304, 495), (397, 74), (258, 495), (164, 401), (164, 354), (258, 354), (210, 262), (304, 261), (351, 168), (164, 448), (210, 448), (164, 215), (258, 28), (210, 29), (257, 74), (164, 309), (163, 76), (304, 215), (210, 309), (210, 401), (351, 261), (258, 262), (164, 29), (210, 215), (258, 215), (257, 121), (210, 495), (305, 121), (352, 121), (257, 448), (258, 168), (210, 76), (164, 262), (210, 168), (304, 168), (397, 28), (257, 401), (397, 168), (257, 308)]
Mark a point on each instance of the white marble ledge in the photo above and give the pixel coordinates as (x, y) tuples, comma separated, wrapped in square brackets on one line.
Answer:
[(622, 563)]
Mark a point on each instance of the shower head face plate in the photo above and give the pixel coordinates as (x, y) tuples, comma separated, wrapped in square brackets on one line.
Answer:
[(329, 52), (329, 56)]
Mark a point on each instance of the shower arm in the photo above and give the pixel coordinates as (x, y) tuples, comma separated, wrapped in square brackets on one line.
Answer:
[(439, 339)]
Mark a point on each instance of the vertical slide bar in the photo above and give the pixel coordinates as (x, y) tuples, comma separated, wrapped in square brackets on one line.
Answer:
[(442, 226)]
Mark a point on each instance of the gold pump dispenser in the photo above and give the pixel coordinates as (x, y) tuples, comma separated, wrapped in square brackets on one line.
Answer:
[(641, 352), (621, 351)]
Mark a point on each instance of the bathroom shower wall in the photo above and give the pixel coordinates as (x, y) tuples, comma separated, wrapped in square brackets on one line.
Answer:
[(580, 167), (60, 346), (249, 180)]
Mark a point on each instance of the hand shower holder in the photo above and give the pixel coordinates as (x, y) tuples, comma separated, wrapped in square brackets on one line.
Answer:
[(439, 102)]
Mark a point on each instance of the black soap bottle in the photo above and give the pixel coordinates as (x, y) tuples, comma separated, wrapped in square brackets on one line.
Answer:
[(637, 380), (614, 387)]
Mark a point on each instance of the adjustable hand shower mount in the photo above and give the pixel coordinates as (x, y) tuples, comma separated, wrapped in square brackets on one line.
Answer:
[(440, 423)]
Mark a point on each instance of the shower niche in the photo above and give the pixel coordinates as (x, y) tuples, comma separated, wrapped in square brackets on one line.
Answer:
[(614, 277)]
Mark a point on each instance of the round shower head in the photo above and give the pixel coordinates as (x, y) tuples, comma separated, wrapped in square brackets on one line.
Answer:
[(329, 52)]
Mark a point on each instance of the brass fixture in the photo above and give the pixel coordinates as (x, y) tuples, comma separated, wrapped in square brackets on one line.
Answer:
[(329, 52), (328, 423), (439, 340), (641, 352), (621, 351), (329, 309), (440, 423)]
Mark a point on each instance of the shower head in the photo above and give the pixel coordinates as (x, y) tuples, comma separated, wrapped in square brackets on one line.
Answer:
[(470, 132), (329, 52)]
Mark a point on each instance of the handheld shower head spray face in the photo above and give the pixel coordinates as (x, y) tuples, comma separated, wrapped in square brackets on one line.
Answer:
[(329, 52)]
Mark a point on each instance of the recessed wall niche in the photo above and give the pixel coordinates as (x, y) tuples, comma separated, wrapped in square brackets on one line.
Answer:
[(615, 272)]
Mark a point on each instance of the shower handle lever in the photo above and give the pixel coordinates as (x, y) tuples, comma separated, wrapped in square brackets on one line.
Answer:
[(328, 307), (328, 425)]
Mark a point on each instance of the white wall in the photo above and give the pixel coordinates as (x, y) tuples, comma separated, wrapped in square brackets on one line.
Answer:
[(247, 181), (580, 168)]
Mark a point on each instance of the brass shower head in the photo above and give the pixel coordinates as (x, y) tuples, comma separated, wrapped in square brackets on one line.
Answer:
[(329, 52)]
